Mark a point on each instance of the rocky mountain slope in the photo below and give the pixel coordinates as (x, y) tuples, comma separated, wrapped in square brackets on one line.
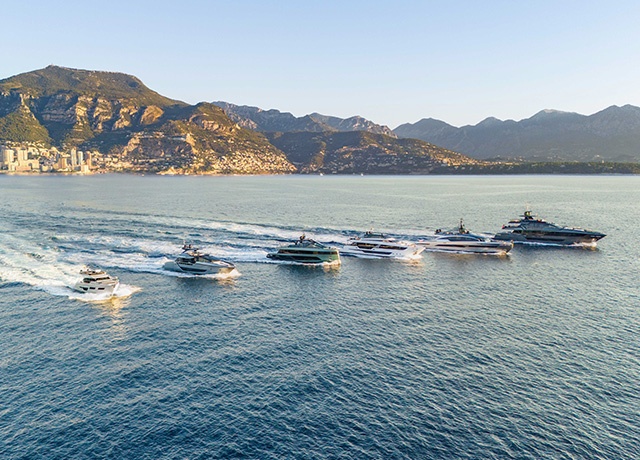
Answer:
[(362, 152), (355, 123), (116, 113), (276, 121), (612, 134)]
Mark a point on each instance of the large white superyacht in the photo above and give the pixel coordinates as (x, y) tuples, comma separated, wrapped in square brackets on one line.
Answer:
[(378, 245), (461, 240)]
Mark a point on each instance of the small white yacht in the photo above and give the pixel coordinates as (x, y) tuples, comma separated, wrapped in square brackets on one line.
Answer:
[(461, 240), (96, 282), (192, 261), (378, 245)]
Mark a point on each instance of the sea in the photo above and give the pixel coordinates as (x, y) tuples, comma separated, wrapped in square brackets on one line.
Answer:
[(535, 355)]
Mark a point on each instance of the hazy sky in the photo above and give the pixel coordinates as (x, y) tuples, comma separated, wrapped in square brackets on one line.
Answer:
[(391, 62)]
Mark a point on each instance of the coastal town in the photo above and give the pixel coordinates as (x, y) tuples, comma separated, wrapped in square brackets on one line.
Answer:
[(31, 158)]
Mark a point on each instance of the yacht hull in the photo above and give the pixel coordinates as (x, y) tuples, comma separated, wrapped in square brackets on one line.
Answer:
[(200, 268), (96, 288), (378, 252), (530, 229), (377, 245), (305, 257), (539, 237), (495, 248)]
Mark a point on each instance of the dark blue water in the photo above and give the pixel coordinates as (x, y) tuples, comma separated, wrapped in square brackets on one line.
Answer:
[(532, 356)]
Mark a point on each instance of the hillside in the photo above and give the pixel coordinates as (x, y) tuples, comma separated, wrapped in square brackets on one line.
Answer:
[(612, 134), (117, 114), (361, 152)]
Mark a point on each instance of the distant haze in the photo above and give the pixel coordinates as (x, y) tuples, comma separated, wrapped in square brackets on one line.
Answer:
[(389, 62)]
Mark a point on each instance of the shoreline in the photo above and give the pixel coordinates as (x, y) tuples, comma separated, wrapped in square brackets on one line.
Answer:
[(463, 174)]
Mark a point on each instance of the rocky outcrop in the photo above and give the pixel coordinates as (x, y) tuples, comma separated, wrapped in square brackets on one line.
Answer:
[(270, 120), (356, 123), (275, 121), (150, 115)]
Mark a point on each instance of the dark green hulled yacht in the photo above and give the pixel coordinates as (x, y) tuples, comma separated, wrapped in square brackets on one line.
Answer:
[(306, 251)]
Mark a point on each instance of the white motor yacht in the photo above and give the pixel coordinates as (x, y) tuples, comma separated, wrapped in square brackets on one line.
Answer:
[(378, 245), (461, 240), (96, 282), (192, 261)]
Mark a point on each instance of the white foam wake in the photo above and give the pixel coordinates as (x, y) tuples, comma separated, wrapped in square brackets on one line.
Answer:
[(45, 269), (219, 276), (123, 290)]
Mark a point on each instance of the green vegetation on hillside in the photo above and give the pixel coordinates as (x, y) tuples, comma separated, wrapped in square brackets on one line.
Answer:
[(20, 127)]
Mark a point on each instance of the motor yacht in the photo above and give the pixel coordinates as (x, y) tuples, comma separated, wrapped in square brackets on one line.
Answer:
[(461, 240), (378, 245), (306, 251), (529, 229), (192, 261), (96, 282)]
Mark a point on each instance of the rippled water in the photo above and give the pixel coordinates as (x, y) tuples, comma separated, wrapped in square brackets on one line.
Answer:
[(535, 355)]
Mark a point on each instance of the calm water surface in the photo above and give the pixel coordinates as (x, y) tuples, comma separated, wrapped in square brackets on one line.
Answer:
[(531, 356)]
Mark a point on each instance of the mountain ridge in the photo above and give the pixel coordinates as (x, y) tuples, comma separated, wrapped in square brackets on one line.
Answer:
[(612, 134), (273, 120), (118, 116)]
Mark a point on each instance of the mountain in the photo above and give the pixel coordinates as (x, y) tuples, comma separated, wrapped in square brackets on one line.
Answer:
[(355, 123), (362, 152), (270, 120), (612, 134), (144, 131), (54, 80), (118, 114), (276, 121)]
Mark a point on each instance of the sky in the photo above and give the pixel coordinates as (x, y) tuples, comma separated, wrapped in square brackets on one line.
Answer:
[(391, 62)]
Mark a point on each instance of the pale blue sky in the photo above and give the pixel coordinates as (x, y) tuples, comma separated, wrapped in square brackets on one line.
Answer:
[(391, 62)]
